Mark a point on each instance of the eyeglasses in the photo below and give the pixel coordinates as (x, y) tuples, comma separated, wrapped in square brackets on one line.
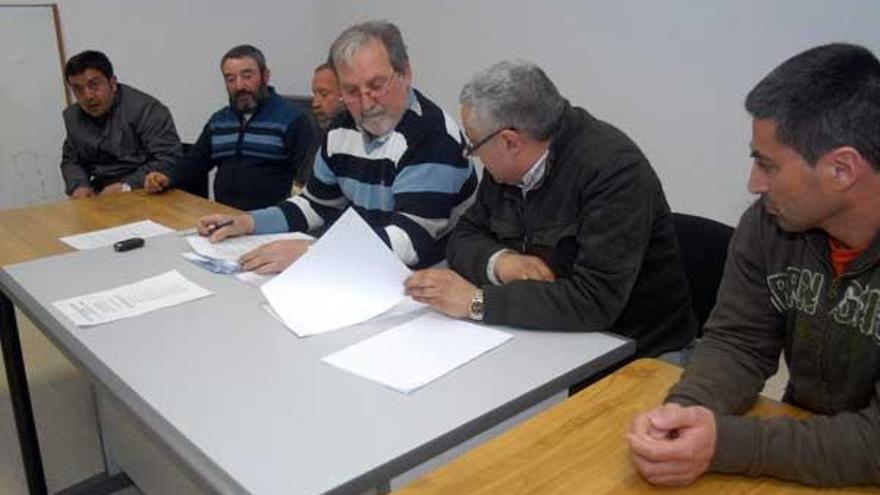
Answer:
[(375, 90), (470, 149)]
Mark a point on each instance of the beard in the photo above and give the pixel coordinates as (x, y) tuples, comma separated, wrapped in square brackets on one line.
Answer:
[(377, 121), (246, 101)]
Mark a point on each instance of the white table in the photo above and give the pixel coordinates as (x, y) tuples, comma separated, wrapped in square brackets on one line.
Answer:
[(245, 406)]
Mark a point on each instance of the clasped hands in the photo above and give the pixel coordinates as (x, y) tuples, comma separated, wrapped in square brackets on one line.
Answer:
[(671, 444), (450, 293)]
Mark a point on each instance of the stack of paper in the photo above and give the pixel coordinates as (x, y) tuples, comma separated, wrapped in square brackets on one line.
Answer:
[(233, 248), (418, 352), (222, 257), (348, 276)]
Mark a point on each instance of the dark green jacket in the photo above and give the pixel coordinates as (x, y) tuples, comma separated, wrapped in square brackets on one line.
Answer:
[(779, 291), (134, 137)]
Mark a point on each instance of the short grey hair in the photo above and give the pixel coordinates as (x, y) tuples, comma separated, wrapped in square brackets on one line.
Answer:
[(355, 37), (517, 94)]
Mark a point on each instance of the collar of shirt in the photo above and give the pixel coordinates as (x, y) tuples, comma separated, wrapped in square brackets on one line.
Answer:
[(534, 175), (371, 143)]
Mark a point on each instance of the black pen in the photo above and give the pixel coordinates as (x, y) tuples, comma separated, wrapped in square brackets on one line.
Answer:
[(219, 225), (211, 229)]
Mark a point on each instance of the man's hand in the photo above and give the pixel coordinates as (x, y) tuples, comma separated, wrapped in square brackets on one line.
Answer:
[(82, 192), (443, 289), (156, 182), (275, 256), (671, 444), (241, 225), (510, 267), (116, 187)]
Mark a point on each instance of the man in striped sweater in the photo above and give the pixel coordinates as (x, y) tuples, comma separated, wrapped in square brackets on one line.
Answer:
[(395, 157)]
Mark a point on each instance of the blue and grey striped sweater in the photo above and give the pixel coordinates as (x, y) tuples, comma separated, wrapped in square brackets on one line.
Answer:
[(410, 185)]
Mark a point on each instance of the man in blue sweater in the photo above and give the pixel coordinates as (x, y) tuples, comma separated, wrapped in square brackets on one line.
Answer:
[(258, 142), (395, 157)]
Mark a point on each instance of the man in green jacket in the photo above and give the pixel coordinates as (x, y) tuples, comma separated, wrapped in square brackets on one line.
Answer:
[(802, 277)]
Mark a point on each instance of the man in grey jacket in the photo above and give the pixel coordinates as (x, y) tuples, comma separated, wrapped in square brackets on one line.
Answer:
[(570, 229), (115, 133), (802, 277)]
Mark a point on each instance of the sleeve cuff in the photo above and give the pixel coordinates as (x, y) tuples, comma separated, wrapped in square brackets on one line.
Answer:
[(490, 265), (269, 220), (736, 445)]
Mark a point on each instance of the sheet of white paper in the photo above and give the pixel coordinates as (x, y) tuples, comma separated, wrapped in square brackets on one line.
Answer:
[(418, 352), (254, 279), (348, 276), (161, 291), (234, 247), (404, 307), (106, 237)]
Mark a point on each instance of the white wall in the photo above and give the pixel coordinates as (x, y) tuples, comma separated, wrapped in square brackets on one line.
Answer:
[(171, 49), (673, 74)]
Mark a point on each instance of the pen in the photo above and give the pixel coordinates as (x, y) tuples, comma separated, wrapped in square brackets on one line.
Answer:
[(211, 229), (219, 225)]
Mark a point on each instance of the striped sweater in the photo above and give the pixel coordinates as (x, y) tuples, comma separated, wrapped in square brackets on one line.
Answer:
[(410, 185)]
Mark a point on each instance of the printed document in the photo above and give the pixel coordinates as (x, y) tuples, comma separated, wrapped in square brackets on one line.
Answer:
[(107, 237), (233, 248), (161, 291), (418, 352), (348, 276)]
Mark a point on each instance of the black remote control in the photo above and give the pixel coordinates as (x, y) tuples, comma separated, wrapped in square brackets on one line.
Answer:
[(129, 244)]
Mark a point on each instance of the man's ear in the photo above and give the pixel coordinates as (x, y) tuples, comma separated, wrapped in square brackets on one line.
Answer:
[(843, 166), (512, 140), (266, 74), (113, 84)]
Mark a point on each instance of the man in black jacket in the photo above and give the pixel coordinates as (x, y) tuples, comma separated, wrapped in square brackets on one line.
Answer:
[(115, 133), (570, 229)]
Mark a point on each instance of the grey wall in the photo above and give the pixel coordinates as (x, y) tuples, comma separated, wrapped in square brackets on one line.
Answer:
[(673, 74), (172, 49)]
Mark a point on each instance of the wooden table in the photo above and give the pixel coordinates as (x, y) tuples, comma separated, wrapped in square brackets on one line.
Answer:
[(578, 446), (33, 232)]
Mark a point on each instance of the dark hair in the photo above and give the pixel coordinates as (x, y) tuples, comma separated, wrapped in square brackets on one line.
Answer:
[(89, 59), (249, 51), (821, 99)]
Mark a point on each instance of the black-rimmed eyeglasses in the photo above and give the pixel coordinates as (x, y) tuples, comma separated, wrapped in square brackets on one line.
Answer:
[(470, 149)]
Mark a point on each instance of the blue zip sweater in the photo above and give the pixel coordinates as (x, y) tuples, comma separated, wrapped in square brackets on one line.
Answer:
[(256, 160)]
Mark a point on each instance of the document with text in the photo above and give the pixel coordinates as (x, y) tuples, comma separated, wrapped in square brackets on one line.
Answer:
[(234, 247), (168, 289), (411, 355), (107, 237), (348, 276)]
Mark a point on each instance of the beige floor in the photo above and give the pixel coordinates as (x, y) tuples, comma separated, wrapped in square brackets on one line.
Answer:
[(65, 417)]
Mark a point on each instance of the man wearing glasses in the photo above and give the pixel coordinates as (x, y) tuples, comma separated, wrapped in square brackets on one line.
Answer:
[(115, 133), (570, 229), (395, 157)]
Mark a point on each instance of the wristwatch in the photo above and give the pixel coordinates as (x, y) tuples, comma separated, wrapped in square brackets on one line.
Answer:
[(477, 306)]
